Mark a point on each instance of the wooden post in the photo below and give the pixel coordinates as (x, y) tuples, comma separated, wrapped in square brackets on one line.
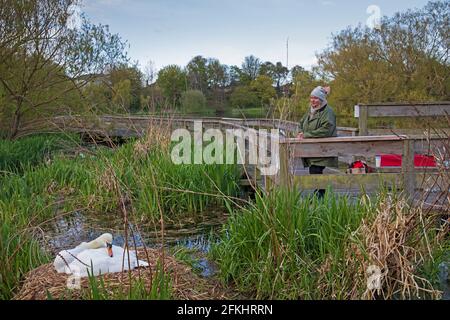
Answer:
[(363, 119), (268, 183), (408, 170), (285, 179)]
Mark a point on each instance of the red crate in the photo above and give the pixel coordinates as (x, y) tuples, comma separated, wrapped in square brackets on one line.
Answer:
[(395, 160)]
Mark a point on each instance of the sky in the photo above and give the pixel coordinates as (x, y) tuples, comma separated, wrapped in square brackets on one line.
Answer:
[(174, 31)]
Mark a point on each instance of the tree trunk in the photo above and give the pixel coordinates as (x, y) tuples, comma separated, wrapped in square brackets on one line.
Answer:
[(14, 129)]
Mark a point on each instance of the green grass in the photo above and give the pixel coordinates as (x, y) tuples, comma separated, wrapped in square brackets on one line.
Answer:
[(187, 256), (274, 247), (248, 113), (38, 190), (288, 247), (160, 288), (430, 270), (19, 156), (19, 253)]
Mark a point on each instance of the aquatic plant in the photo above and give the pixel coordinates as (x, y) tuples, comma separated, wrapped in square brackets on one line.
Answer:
[(288, 247)]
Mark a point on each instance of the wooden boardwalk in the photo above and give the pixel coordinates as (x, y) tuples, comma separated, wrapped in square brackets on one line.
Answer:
[(415, 182)]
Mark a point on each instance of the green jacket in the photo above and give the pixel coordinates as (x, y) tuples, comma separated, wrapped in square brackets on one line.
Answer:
[(321, 125)]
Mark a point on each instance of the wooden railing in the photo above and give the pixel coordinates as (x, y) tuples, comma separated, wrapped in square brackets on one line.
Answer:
[(126, 126), (409, 178), (430, 109)]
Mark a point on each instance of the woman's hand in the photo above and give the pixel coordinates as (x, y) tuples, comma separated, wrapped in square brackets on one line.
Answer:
[(300, 136)]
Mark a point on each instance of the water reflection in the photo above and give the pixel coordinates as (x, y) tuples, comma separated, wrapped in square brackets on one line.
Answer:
[(69, 231)]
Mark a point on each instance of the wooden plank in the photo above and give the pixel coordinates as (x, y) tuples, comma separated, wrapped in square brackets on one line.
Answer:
[(434, 182), (349, 182), (432, 146), (285, 176), (268, 183), (363, 120), (370, 182), (409, 132), (412, 110), (357, 148), (408, 168), (344, 139), (399, 169)]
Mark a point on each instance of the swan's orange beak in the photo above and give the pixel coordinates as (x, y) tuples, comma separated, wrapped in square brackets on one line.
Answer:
[(109, 248)]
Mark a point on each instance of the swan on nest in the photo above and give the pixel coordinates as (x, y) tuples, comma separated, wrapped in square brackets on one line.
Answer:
[(96, 257)]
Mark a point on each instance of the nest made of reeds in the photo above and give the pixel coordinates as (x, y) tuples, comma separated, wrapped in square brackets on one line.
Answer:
[(44, 282)]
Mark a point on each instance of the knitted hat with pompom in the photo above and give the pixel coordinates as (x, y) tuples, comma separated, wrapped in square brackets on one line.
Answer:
[(321, 92)]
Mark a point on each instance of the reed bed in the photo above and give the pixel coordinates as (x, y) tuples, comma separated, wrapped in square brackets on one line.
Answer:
[(20, 156), (288, 247), (136, 182)]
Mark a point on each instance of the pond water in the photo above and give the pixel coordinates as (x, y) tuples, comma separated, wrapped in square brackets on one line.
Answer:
[(196, 236)]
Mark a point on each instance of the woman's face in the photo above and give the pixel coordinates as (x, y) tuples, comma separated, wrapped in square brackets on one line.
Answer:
[(314, 101)]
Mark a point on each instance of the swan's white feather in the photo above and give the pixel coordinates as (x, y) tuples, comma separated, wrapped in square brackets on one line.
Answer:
[(97, 261), (66, 257), (93, 256)]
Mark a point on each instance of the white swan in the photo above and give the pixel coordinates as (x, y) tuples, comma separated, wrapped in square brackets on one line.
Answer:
[(66, 257), (100, 257), (99, 261)]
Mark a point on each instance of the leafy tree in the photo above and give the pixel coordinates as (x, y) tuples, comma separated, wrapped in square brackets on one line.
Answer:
[(152, 98), (244, 97), (173, 82), (44, 58), (280, 74), (277, 72), (217, 74), (263, 88), (98, 97), (407, 59), (124, 76), (197, 72), (234, 75), (257, 94), (150, 94), (267, 69), (149, 73), (122, 96), (193, 101), (303, 82), (250, 69), (218, 79)]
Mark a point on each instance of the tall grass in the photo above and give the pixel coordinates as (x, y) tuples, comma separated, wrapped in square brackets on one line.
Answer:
[(287, 247), (275, 246), (36, 190), (19, 156), (19, 254), (160, 288)]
